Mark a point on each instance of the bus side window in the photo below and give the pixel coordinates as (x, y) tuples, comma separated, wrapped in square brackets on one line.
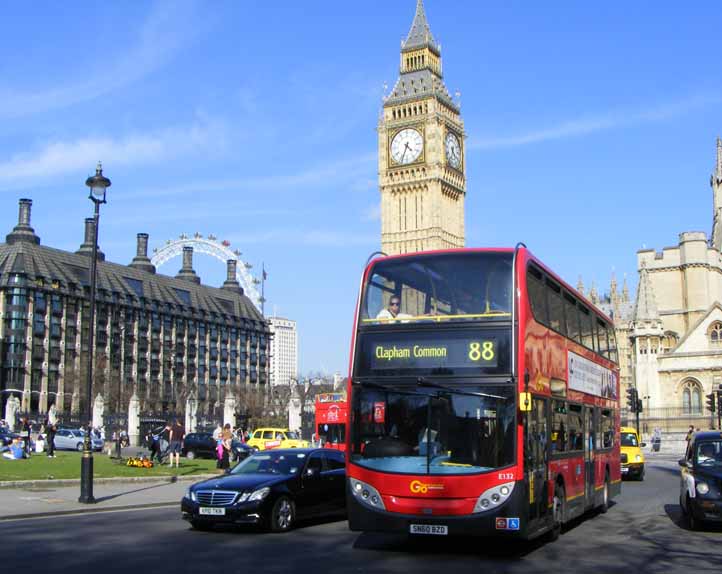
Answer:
[(556, 307), (559, 426), (537, 295), (607, 429), (585, 319)]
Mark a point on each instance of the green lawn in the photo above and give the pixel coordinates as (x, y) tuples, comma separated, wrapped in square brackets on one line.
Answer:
[(67, 465)]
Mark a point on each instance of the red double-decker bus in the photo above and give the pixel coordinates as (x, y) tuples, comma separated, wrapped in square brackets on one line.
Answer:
[(331, 419), (473, 411)]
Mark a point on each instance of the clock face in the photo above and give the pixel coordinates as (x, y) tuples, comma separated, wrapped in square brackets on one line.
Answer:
[(453, 150), (406, 147)]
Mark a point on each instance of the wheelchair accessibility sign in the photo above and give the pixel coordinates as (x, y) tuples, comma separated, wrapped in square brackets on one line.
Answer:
[(507, 524)]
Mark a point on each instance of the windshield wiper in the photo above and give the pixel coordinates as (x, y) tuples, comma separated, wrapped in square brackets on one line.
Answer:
[(425, 383)]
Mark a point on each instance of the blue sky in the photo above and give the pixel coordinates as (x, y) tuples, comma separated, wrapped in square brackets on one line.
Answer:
[(591, 132)]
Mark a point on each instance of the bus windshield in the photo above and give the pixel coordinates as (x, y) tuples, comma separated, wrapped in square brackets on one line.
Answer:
[(449, 429), (443, 287)]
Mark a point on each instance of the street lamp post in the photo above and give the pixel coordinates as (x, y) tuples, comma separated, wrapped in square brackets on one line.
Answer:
[(98, 185)]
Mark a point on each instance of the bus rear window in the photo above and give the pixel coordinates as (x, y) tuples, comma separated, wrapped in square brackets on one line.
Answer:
[(448, 287)]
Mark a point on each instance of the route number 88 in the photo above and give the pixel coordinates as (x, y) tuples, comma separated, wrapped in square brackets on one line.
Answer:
[(481, 351)]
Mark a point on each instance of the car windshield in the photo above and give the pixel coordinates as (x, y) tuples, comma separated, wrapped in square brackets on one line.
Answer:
[(709, 453), (449, 287), (629, 439), (271, 463), (454, 429)]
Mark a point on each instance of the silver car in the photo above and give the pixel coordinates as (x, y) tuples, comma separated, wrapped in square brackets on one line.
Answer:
[(73, 439)]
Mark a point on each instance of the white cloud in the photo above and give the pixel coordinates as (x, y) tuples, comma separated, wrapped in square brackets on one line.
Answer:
[(372, 213), (60, 157), (168, 27), (611, 120), (342, 173)]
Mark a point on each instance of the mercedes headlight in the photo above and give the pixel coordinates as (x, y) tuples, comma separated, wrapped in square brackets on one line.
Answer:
[(366, 494), (493, 497), (702, 487), (191, 495), (259, 494)]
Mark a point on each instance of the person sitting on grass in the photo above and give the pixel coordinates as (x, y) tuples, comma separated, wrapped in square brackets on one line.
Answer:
[(16, 451)]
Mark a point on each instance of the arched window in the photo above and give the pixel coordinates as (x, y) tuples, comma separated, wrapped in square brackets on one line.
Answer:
[(669, 341), (715, 334), (692, 398)]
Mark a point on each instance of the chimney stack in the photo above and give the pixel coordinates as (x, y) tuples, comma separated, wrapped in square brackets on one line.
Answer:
[(141, 260), (231, 283), (186, 271), (86, 248), (23, 231)]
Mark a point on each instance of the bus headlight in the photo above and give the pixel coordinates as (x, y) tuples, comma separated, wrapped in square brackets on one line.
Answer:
[(702, 487), (493, 497), (366, 494)]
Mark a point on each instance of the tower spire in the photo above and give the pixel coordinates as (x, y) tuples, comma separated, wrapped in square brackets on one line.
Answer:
[(420, 34), (645, 308), (716, 182)]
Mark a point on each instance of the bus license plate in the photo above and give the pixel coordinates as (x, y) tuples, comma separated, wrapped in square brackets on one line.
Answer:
[(429, 529), (212, 511)]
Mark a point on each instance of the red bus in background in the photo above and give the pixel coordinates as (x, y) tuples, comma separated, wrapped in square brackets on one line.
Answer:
[(475, 412), (331, 420)]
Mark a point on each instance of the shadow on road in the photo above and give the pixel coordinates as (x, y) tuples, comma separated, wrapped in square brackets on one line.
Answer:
[(119, 494)]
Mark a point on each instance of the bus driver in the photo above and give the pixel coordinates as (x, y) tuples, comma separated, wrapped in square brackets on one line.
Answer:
[(392, 311)]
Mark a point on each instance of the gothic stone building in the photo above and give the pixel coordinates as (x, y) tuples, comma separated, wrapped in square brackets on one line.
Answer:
[(670, 339), (159, 340)]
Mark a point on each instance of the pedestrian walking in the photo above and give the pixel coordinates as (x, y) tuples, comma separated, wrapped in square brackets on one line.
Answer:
[(226, 441), (51, 430), (176, 435), (26, 429)]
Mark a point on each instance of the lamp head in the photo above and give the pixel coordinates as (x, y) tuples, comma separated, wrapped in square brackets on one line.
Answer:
[(98, 185)]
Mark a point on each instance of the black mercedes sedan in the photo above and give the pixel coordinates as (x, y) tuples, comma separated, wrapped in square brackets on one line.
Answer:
[(701, 479), (273, 489)]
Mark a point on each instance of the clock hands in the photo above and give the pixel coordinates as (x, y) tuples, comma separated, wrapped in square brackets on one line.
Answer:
[(406, 148)]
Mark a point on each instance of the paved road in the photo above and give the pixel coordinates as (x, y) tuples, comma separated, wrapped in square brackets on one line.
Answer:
[(641, 533)]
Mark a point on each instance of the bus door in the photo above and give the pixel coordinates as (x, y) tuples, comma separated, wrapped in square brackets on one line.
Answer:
[(589, 455), (536, 461)]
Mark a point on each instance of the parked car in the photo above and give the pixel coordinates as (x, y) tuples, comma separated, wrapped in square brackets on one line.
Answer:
[(701, 479), (267, 438), (202, 444), (631, 453), (272, 489), (73, 439)]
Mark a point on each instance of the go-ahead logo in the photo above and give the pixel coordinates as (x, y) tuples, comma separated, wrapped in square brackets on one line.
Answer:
[(417, 486)]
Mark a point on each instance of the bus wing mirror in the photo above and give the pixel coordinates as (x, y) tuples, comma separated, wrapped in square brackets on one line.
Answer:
[(525, 402)]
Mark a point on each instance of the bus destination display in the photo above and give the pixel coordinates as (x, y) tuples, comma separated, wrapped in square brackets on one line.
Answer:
[(432, 354)]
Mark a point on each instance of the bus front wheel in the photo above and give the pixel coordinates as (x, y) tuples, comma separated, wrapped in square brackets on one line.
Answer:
[(557, 512)]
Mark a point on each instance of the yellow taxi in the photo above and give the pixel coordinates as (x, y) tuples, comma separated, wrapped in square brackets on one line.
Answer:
[(268, 438), (631, 454)]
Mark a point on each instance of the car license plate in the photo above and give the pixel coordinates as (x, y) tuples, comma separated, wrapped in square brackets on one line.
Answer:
[(439, 530), (212, 511), (625, 470)]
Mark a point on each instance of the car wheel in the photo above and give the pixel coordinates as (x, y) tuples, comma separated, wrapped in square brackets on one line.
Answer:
[(201, 525), (190, 455), (693, 522), (79, 447), (605, 496), (283, 514)]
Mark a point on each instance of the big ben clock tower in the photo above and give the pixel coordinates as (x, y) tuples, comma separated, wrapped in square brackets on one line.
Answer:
[(421, 152)]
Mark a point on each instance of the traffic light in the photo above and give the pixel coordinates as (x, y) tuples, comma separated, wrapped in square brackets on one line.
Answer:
[(639, 405), (632, 400), (711, 402)]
